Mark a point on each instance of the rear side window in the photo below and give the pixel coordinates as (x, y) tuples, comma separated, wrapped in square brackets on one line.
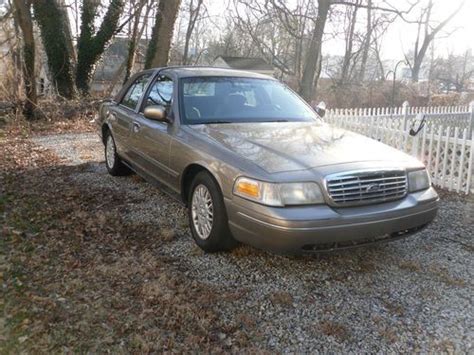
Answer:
[(135, 91)]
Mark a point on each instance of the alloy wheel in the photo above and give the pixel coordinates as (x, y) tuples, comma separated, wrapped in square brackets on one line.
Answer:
[(110, 152), (202, 210)]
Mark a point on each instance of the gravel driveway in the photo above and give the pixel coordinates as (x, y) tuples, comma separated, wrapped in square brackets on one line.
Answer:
[(411, 295)]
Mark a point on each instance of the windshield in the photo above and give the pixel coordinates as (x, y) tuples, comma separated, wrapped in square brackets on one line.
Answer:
[(233, 100)]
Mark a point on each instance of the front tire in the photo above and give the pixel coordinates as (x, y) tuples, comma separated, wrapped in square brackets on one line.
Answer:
[(114, 164), (207, 215)]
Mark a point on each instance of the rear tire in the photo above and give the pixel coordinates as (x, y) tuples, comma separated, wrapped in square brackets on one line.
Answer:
[(207, 215), (114, 164)]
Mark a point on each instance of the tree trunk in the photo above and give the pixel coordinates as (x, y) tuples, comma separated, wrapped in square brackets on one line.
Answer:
[(91, 47), (132, 46), (380, 64), (159, 47), (23, 18), (312, 63), (193, 16), (17, 64), (349, 45), (63, 7), (54, 31), (368, 38), (415, 71), (430, 34)]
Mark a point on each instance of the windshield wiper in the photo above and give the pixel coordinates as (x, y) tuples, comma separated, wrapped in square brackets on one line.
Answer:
[(215, 122), (223, 121)]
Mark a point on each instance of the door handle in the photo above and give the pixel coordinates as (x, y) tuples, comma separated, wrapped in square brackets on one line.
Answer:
[(136, 127)]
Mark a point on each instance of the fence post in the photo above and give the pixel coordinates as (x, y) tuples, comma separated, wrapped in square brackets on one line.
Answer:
[(405, 114), (471, 121)]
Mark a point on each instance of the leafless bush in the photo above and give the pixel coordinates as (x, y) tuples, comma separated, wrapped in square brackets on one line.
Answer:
[(385, 94), (52, 108), (452, 99), (10, 88)]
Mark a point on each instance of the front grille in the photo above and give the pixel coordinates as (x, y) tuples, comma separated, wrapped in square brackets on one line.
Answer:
[(366, 187)]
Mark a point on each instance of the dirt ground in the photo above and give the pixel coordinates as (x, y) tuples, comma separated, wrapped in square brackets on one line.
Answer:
[(92, 263)]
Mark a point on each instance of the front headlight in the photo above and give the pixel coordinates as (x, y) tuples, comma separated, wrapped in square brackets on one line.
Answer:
[(273, 194), (418, 180)]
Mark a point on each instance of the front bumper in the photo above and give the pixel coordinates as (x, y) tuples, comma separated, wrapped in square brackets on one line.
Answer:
[(315, 228)]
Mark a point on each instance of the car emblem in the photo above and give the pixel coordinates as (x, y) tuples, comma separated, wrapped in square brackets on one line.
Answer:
[(373, 188)]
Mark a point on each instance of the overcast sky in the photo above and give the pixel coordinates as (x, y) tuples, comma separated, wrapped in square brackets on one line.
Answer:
[(402, 36)]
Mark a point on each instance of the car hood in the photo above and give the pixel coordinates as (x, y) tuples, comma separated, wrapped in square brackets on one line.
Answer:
[(289, 146)]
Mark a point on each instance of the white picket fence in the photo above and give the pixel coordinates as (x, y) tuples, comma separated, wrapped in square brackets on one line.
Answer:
[(445, 145)]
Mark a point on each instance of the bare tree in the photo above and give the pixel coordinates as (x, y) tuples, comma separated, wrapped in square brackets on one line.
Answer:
[(312, 62), (277, 31), (455, 72), (10, 82), (379, 14), (367, 42), (162, 33), (194, 11), (259, 23), (290, 37), (23, 18), (427, 31), (351, 14), (136, 35), (296, 22)]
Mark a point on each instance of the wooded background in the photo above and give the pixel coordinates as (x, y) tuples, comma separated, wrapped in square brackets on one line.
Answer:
[(65, 41)]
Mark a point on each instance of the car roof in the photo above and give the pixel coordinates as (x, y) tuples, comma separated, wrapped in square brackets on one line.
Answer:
[(193, 71)]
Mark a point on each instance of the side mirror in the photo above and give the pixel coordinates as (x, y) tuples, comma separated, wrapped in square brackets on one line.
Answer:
[(321, 109), (156, 113), (418, 124)]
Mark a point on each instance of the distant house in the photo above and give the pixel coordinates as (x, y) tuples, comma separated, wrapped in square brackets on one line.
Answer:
[(256, 65)]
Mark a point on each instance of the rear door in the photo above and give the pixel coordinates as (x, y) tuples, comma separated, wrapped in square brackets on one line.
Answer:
[(122, 116)]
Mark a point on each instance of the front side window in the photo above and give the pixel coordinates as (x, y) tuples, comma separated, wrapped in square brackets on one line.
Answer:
[(233, 100), (135, 91), (161, 92)]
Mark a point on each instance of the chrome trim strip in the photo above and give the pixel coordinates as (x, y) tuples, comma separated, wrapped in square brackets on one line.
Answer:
[(393, 189), (355, 180), (357, 187)]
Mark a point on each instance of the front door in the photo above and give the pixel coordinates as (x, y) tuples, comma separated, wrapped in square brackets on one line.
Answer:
[(152, 138)]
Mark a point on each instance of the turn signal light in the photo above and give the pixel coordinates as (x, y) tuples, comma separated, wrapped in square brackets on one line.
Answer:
[(247, 187)]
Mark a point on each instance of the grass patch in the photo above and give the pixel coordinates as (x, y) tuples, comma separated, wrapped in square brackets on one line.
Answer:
[(334, 329), (245, 251), (388, 334), (282, 298), (439, 272), (410, 265), (394, 308), (445, 277)]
